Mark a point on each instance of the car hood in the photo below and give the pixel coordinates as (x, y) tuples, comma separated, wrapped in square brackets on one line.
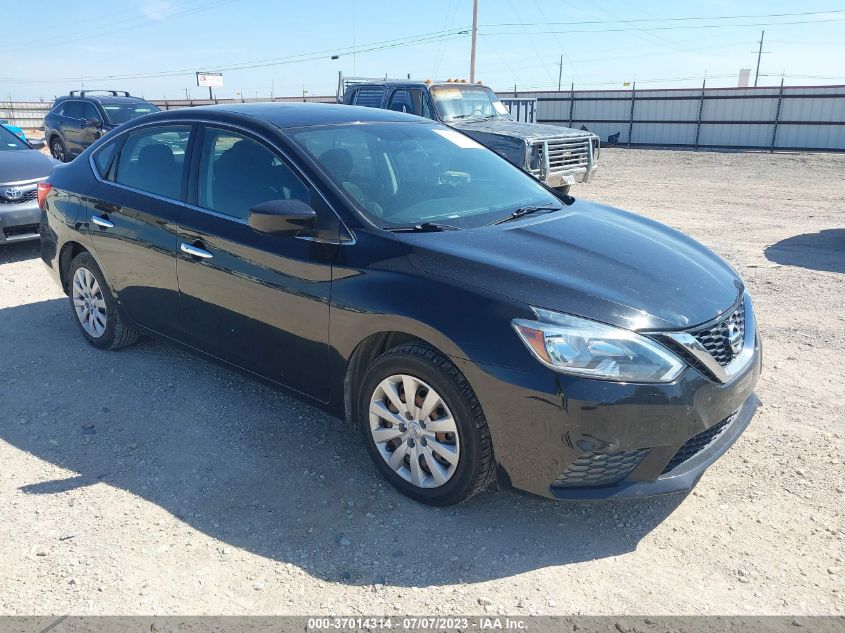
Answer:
[(588, 260), (22, 165), (530, 131)]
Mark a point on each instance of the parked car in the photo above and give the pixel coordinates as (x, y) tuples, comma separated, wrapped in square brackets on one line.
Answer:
[(557, 156), (474, 324), (14, 129), (79, 119), (22, 167)]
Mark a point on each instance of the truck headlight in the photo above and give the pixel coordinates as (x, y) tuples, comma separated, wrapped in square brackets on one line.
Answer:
[(572, 345)]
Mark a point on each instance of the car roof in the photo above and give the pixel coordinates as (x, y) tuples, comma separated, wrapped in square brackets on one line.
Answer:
[(391, 83), (293, 115), (105, 99)]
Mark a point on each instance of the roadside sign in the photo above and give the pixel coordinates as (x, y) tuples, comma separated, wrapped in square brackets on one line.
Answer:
[(210, 80)]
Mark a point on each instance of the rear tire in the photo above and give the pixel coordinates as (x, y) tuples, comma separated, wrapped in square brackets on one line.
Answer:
[(94, 308), (58, 149), (443, 429)]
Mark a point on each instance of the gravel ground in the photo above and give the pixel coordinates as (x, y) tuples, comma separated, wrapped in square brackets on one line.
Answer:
[(149, 481)]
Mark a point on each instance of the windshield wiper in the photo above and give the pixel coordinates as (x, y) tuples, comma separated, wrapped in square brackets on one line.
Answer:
[(423, 227), (522, 211)]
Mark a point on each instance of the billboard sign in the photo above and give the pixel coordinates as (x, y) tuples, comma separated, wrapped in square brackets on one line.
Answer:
[(210, 80)]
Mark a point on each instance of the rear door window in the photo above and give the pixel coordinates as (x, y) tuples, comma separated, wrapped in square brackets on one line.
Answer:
[(153, 160), (73, 110)]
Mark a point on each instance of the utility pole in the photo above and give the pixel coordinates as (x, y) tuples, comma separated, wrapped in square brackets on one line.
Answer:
[(759, 54), (560, 73), (474, 36)]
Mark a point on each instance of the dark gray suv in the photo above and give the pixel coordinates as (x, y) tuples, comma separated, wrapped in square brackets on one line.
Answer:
[(79, 119)]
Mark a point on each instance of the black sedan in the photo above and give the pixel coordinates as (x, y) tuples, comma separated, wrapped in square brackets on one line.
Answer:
[(22, 167), (476, 326)]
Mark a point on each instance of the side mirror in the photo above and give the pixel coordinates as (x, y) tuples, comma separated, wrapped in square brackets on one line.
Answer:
[(281, 217), (93, 123), (36, 143)]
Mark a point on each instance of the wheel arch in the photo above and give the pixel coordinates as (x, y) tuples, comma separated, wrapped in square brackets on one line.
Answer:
[(363, 356), (68, 252)]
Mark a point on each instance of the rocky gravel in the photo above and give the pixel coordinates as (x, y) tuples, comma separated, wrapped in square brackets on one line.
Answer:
[(150, 481)]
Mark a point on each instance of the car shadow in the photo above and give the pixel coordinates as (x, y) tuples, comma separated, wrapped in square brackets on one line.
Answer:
[(824, 250), (19, 251), (257, 470)]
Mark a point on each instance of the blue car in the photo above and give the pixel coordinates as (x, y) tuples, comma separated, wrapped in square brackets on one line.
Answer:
[(14, 129)]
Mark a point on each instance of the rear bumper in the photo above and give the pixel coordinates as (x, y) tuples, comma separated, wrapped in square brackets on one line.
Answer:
[(19, 222), (564, 437)]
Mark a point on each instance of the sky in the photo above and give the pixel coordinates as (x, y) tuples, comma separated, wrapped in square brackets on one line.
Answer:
[(153, 47)]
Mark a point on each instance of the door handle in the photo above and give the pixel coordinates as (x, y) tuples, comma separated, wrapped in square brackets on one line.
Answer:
[(195, 251), (103, 222)]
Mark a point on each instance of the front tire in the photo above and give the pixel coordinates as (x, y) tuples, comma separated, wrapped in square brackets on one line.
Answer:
[(94, 308), (434, 446)]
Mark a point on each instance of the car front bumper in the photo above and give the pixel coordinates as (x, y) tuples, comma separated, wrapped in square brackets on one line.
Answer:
[(19, 222), (572, 438)]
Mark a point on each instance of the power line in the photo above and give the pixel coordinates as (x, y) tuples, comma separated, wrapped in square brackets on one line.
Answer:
[(681, 19), (411, 40), (665, 28)]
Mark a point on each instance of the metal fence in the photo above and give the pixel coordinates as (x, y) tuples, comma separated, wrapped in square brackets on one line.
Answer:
[(770, 118), (783, 117)]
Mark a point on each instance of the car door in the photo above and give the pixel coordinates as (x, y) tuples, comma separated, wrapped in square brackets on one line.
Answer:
[(92, 125), (256, 300), (133, 224), (72, 125)]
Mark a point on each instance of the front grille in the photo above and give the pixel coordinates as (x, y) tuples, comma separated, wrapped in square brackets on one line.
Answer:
[(600, 469), (18, 231), (27, 197), (715, 338), (698, 443), (565, 155)]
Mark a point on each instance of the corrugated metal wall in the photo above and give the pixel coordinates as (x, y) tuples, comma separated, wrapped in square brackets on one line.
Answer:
[(791, 117)]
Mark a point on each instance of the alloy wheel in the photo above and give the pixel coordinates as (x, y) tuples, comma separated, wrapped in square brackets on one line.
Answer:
[(89, 303), (57, 151), (414, 431)]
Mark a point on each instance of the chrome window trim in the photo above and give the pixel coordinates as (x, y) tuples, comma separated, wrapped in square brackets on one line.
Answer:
[(739, 363), (224, 124)]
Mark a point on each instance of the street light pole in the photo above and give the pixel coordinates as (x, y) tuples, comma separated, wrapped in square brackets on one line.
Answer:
[(474, 36)]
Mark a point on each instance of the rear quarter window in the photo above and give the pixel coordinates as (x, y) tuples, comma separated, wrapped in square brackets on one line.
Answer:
[(104, 158), (371, 96)]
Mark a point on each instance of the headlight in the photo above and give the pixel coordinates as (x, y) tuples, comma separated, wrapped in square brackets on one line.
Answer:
[(572, 345)]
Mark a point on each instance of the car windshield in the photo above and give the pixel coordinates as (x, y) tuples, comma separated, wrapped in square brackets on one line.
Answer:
[(405, 174), (118, 113), (10, 141), (467, 102)]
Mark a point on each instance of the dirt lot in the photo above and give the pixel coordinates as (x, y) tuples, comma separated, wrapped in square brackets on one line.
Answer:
[(148, 481)]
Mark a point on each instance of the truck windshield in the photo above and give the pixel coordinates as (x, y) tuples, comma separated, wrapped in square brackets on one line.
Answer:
[(407, 174), (468, 101), (118, 113)]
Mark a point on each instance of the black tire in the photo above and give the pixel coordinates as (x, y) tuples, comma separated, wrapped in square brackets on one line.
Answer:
[(58, 150), (118, 333), (476, 465)]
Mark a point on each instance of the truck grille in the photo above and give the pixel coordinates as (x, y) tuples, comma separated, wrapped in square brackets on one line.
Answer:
[(26, 197), (698, 443), (715, 338), (600, 469), (565, 155)]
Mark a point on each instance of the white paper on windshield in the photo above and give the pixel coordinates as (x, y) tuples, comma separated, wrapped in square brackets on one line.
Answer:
[(446, 93), (458, 139), (500, 107)]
